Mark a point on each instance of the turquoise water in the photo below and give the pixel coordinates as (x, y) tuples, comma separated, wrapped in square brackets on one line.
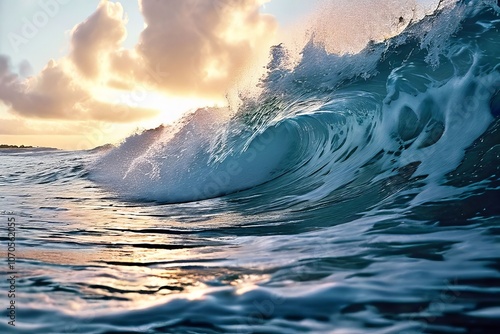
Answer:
[(354, 194)]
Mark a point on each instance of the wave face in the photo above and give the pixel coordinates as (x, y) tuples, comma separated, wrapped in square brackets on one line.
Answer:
[(398, 112)]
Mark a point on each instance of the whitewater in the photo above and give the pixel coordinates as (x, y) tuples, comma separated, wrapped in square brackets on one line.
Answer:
[(348, 192)]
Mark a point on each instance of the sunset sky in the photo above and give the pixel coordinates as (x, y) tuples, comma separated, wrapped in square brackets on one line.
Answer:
[(76, 74)]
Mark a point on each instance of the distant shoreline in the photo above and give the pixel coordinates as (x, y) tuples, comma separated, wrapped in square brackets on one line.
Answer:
[(14, 146), (21, 148), (5, 147)]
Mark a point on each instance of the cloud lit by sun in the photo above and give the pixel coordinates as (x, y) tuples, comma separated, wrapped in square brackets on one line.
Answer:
[(189, 55), (170, 108)]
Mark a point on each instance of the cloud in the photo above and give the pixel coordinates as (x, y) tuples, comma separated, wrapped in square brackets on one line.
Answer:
[(18, 127), (14, 127), (202, 46), (93, 40), (25, 69), (6, 73), (188, 47), (55, 94)]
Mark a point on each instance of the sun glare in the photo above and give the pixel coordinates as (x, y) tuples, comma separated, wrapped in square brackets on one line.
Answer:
[(170, 108)]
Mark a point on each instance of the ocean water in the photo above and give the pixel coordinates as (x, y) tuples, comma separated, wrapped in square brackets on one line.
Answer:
[(355, 193)]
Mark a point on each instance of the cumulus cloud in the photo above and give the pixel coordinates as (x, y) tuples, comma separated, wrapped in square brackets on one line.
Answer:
[(55, 94), (201, 46), (25, 69), (4, 65), (95, 39), (188, 47)]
